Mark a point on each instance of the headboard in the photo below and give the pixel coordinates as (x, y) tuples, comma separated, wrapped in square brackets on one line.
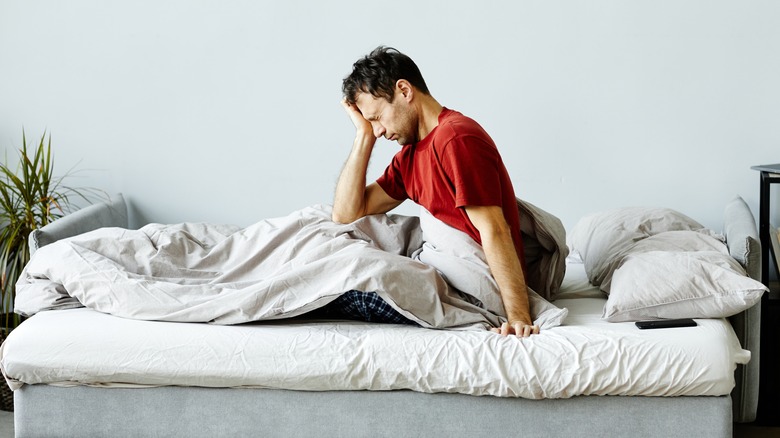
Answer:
[(103, 214), (745, 246)]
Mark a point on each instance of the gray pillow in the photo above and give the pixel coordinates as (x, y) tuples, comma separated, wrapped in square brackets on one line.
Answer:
[(600, 236), (673, 241), (671, 284)]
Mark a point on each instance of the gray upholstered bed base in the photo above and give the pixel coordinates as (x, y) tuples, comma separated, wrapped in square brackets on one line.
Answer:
[(42, 410), (208, 412)]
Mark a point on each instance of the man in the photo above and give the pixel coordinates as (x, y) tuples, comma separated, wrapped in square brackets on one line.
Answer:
[(448, 164)]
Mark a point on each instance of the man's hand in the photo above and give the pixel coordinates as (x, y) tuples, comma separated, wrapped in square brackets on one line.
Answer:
[(362, 125), (353, 199), (517, 328)]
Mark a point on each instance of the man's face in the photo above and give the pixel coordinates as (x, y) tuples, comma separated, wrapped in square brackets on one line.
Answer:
[(395, 121)]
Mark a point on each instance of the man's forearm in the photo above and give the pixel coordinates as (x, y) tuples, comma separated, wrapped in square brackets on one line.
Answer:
[(349, 200), (506, 269), (504, 263)]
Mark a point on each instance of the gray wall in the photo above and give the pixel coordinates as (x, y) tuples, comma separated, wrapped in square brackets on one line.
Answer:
[(228, 111)]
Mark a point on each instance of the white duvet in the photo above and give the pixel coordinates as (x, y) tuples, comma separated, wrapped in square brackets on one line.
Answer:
[(584, 356), (275, 269)]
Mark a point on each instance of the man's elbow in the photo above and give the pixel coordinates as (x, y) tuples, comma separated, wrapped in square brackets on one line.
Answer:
[(489, 221), (341, 217)]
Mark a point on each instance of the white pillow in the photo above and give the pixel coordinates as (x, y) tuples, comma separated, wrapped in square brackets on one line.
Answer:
[(600, 236), (666, 284), (677, 241)]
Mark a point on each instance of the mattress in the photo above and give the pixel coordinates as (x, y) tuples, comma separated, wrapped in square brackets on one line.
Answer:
[(584, 356)]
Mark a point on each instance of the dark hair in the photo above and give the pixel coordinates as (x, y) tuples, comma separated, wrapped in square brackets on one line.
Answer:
[(378, 72)]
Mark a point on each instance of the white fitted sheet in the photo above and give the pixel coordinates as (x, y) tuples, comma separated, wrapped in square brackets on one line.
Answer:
[(585, 356)]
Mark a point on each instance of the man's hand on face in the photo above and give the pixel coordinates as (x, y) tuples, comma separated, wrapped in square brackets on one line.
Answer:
[(362, 125)]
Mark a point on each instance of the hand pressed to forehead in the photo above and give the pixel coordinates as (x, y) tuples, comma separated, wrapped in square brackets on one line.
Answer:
[(361, 124)]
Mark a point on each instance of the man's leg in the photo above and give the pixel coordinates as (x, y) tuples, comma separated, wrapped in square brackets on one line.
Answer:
[(364, 306)]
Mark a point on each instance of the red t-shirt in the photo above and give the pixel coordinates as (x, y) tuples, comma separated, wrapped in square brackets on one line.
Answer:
[(455, 165)]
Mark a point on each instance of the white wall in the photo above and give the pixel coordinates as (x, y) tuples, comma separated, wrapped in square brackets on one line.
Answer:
[(228, 111)]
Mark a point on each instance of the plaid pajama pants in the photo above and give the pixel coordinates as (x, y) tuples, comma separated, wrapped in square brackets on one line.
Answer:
[(363, 306)]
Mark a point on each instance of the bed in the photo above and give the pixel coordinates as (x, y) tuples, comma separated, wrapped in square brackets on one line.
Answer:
[(78, 371)]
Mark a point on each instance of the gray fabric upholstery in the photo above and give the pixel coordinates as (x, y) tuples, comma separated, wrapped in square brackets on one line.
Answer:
[(745, 246), (208, 412), (739, 226), (112, 214)]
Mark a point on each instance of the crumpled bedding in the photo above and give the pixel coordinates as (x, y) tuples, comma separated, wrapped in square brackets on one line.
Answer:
[(277, 268), (544, 243), (584, 356)]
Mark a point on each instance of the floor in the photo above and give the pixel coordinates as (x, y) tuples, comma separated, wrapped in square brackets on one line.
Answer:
[(752, 431), (6, 424), (740, 431)]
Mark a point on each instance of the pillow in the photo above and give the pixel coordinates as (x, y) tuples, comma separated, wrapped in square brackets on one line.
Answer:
[(667, 284), (677, 241), (600, 236)]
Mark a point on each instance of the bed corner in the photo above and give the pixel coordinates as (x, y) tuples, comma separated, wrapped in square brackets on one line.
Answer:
[(745, 247)]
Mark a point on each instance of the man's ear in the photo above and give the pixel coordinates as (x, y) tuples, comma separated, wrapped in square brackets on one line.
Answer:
[(406, 89)]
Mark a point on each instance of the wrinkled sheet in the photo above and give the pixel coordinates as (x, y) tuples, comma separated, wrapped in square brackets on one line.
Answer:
[(584, 356), (277, 268)]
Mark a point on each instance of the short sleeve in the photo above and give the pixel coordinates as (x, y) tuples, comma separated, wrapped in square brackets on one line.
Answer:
[(392, 181), (473, 167)]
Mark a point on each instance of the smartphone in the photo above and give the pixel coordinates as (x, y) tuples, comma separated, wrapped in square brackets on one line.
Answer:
[(666, 323)]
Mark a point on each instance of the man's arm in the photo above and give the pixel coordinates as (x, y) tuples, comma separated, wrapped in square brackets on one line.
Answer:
[(506, 268), (353, 199)]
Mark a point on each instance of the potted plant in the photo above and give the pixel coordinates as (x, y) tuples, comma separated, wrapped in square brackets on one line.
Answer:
[(30, 197)]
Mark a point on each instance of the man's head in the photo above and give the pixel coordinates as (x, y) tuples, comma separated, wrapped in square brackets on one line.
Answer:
[(387, 88), (378, 73)]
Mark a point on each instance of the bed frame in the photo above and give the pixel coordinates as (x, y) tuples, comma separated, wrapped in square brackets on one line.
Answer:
[(45, 410)]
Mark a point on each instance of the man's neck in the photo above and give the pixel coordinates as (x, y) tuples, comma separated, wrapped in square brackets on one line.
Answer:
[(429, 113)]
